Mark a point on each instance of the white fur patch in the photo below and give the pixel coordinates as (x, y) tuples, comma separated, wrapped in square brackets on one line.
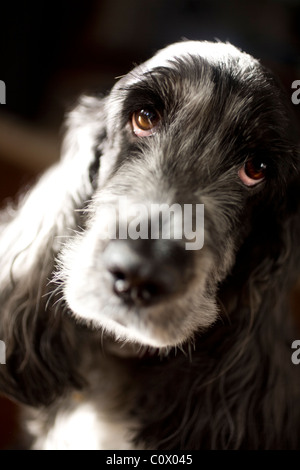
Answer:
[(84, 429)]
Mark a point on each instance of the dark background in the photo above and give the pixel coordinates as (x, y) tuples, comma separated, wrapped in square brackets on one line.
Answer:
[(50, 52)]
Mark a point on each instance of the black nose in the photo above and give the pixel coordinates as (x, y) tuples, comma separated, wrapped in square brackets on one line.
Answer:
[(144, 271)]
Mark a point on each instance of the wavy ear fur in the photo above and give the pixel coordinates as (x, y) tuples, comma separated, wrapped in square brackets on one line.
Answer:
[(30, 237), (262, 330), (241, 389)]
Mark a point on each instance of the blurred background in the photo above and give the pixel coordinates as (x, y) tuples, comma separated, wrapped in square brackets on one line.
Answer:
[(51, 52)]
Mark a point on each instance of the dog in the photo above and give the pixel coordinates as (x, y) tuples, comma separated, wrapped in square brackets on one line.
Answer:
[(139, 342)]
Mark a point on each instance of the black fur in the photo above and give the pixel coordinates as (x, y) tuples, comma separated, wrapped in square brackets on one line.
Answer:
[(208, 366)]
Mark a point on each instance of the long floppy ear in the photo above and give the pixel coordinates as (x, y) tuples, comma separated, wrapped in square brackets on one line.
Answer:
[(259, 328), (269, 257), (40, 359)]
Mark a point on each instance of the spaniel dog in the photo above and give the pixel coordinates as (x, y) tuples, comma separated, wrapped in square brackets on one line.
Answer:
[(151, 342)]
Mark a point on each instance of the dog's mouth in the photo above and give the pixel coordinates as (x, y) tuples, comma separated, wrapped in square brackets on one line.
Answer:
[(138, 322), (125, 349), (140, 291)]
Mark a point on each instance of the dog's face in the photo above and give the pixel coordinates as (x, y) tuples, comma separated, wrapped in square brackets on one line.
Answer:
[(197, 124)]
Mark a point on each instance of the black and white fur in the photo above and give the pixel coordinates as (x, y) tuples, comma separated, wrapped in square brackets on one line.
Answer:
[(206, 364)]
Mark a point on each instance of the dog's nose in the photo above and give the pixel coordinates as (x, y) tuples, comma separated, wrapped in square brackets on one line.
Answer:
[(143, 272)]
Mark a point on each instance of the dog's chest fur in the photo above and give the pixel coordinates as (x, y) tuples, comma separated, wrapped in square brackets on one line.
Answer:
[(85, 427), (97, 418)]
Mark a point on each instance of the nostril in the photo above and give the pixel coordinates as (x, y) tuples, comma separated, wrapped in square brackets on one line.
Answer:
[(121, 284), (152, 290), (117, 273), (133, 287), (138, 292)]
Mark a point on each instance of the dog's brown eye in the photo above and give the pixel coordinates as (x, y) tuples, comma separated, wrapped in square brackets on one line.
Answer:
[(253, 171), (144, 122)]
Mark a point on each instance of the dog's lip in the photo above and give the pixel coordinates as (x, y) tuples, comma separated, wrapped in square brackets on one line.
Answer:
[(129, 350)]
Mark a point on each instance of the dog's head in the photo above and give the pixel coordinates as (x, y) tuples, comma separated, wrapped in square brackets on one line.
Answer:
[(200, 125)]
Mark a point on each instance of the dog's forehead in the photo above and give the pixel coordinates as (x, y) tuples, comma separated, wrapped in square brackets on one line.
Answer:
[(197, 79), (214, 53)]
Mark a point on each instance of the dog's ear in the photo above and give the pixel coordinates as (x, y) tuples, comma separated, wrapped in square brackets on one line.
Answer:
[(268, 261), (39, 353)]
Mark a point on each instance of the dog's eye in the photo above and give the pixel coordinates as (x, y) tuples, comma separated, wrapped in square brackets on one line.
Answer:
[(253, 171), (144, 122)]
